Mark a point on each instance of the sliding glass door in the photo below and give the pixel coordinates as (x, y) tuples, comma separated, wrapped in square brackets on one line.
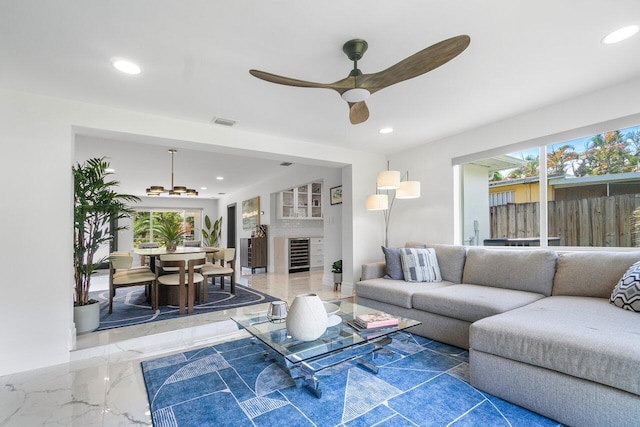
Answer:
[(144, 221)]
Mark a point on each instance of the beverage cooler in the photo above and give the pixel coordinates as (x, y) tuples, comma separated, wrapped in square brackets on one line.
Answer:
[(298, 255)]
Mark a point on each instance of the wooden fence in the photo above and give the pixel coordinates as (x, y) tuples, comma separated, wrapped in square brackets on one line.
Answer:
[(596, 221)]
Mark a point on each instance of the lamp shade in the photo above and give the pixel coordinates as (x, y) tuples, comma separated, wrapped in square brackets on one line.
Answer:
[(408, 190), (388, 180), (377, 202)]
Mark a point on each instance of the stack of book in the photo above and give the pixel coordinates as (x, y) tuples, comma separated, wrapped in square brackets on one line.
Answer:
[(373, 321)]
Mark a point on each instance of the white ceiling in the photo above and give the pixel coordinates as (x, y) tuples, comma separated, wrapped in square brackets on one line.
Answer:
[(195, 57)]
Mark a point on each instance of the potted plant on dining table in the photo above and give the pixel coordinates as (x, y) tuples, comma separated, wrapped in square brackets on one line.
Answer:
[(96, 207), (169, 231)]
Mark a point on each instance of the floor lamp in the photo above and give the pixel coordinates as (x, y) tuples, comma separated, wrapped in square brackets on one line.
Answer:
[(391, 181)]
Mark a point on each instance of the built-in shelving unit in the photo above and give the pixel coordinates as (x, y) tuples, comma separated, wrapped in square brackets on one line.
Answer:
[(301, 202)]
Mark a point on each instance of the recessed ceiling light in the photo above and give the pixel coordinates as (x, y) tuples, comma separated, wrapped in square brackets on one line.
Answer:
[(203, 188), (219, 178), (386, 130), (125, 66), (110, 170), (620, 34)]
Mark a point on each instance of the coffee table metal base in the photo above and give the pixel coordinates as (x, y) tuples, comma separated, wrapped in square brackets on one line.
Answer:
[(304, 375)]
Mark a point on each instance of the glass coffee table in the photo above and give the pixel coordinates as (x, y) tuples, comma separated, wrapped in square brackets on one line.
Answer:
[(339, 344)]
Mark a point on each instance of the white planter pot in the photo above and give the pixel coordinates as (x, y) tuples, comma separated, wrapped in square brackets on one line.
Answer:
[(307, 318), (86, 317), (337, 277)]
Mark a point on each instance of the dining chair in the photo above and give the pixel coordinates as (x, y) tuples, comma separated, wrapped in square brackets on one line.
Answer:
[(146, 245), (185, 278), (122, 274), (227, 258), (192, 243)]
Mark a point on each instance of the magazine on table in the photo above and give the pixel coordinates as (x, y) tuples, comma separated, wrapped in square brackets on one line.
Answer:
[(375, 320)]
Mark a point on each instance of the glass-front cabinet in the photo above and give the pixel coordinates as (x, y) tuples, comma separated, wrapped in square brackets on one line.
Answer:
[(301, 202)]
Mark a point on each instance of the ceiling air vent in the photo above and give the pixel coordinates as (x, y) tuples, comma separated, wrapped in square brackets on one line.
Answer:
[(286, 164), (223, 122)]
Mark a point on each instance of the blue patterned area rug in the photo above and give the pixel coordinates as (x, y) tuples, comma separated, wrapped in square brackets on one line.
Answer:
[(131, 308), (420, 383)]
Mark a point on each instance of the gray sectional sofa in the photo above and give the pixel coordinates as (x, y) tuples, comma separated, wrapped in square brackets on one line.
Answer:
[(538, 324)]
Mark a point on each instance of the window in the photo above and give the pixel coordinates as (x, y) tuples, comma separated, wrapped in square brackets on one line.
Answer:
[(590, 190), (144, 220)]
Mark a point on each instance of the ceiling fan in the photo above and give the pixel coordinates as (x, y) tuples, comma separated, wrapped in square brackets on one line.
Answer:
[(357, 87)]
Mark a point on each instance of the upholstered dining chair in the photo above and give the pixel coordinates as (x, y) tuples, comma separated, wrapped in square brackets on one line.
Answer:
[(185, 278), (146, 245), (227, 258), (122, 274), (192, 243)]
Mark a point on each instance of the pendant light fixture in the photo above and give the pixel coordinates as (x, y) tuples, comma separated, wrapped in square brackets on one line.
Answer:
[(175, 190)]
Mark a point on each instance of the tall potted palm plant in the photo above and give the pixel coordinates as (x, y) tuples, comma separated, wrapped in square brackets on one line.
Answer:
[(96, 206)]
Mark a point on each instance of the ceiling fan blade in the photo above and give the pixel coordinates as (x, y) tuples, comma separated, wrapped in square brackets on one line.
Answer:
[(273, 78), (358, 112), (417, 64)]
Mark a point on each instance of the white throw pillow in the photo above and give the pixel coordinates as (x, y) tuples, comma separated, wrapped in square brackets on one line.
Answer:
[(420, 265)]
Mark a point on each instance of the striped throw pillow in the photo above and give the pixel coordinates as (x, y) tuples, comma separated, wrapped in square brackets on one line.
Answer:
[(420, 265)]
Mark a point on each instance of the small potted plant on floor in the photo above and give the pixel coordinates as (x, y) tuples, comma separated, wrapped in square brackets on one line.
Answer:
[(336, 269), (96, 207), (169, 231)]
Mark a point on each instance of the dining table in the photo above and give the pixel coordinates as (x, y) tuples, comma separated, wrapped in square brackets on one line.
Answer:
[(156, 252)]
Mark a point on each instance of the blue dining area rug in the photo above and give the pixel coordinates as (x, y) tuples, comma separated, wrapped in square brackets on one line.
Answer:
[(236, 383), (130, 306)]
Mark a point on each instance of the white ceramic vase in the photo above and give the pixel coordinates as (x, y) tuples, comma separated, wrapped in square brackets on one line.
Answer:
[(307, 318)]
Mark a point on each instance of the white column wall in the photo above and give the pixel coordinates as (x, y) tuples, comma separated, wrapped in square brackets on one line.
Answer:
[(37, 140), (475, 203)]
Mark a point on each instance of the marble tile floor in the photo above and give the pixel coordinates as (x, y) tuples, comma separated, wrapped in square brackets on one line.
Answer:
[(102, 385)]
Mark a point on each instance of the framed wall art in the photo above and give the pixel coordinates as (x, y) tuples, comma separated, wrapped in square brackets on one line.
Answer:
[(251, 213), (335, 194)]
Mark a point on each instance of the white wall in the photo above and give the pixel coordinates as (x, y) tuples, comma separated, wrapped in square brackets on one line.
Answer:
[(431, 218), (37, 134)]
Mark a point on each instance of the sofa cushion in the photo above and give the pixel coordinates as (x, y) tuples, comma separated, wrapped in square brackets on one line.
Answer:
[(471, 302), (626, 294), (583, 337), (523, 270), (396, 292), (393, 263), (450, 259), (420, 265), (591, 274)]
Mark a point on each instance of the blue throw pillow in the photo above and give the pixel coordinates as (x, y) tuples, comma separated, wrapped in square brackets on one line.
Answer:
[(394, 266)]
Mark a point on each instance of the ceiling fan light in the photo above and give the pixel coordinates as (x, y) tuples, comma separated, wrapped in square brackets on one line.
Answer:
[(357, 94), (408, 190), (388, 180), (377, 202)]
